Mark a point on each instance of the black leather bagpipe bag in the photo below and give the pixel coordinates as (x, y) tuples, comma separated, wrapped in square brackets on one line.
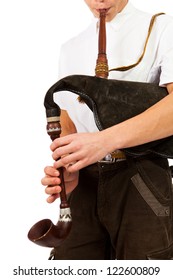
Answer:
[(112, 102)]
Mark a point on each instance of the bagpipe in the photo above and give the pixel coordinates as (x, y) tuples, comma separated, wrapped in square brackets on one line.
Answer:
[(112, 102)]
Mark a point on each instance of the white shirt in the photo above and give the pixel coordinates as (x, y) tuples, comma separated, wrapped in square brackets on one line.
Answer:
[(126, 35)]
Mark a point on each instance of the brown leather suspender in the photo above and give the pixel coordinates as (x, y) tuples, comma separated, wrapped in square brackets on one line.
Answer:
[(128, 67)]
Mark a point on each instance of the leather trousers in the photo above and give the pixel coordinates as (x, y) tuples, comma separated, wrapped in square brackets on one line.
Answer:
[(121, 210)]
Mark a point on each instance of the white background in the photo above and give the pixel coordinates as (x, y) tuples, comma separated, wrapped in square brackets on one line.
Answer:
[(31, 33)]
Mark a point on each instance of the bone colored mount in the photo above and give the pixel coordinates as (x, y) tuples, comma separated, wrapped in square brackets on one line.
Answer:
[(53, 129)]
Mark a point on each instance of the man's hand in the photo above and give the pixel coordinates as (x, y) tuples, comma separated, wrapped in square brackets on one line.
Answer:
[(79, 150), (53, 183)]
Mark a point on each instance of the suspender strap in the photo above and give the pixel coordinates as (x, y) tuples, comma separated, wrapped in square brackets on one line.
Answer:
[(125, 68)]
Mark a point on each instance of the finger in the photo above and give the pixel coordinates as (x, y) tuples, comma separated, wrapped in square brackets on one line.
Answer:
[(52, 198), (51, 171), (72, 168), (68, 159), (63, 152), (52, 190), (45, 181), (59, 142)]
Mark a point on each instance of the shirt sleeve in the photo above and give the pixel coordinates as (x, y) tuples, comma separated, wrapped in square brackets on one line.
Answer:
[(166, 54), (167, 68), (61, 97)]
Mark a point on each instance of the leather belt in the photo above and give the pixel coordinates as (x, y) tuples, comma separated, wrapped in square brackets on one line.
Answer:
[(115, 156)]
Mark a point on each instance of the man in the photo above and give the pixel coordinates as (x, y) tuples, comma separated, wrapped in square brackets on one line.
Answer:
[(113, 217)]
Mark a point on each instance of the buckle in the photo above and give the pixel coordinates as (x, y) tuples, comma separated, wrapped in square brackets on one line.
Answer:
[(108, 159), (113, 157)]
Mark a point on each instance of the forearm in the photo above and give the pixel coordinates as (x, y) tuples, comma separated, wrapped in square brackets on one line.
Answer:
[(67, 125), (155, 123)]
